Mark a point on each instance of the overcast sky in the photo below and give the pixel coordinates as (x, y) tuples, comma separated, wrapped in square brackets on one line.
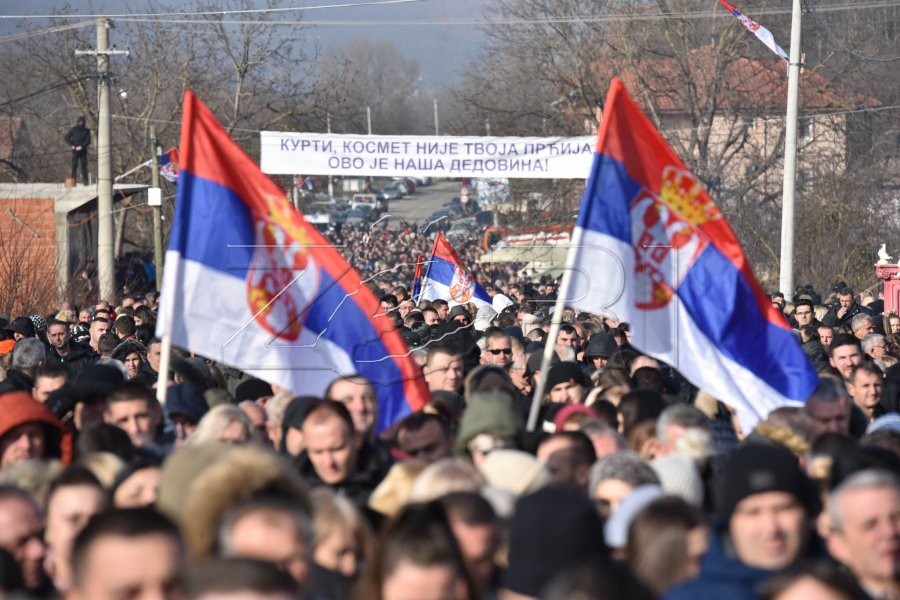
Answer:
[(441, 47)]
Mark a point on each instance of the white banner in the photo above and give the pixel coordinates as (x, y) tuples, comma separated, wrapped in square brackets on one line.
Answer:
[(426, 156)]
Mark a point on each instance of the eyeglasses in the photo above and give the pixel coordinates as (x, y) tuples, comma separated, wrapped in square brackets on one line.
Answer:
[(496, 351)]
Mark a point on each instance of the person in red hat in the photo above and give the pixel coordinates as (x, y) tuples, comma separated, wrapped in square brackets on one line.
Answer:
[(29, 430)]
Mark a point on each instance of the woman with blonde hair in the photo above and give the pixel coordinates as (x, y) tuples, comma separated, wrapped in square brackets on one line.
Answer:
[(225, 423), (445, 476), (342, 538)]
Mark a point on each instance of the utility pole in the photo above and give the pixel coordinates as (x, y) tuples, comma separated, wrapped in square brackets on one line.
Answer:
[(330, 183), (105, 259), (437, 130), (786, 278), (369, 118), (155, 152)]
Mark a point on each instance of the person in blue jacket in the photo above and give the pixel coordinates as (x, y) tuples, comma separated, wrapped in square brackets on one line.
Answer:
[(765, 510)]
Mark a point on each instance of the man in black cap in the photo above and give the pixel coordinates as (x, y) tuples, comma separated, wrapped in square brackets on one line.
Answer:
[(566, 383), (600, 347), (539, 550), (765, 504), (185, 406), (79, 139), (460, 315), (21, 328)]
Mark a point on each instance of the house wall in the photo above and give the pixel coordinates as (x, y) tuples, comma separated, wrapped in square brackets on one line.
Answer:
[(27, 254)]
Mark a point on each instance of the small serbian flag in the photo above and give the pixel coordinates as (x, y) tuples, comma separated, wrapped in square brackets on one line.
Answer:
[(417, 281), (446, 278), (249, 283), (168, 165), (650, 247), (763, 34)]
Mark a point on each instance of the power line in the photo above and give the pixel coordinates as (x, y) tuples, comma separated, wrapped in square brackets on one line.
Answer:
[(547, 20), (36, 32), (168, 17), (215, 13), (678, 130), (49, 88), (810, 7)]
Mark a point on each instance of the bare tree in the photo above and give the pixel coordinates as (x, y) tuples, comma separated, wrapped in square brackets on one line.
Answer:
[(373, 75), (714, 91)]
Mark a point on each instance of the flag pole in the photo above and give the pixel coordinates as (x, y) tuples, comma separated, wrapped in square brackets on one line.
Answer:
[(164, 323), (425, 279), (143, 165), (786, 277), (555, 324)]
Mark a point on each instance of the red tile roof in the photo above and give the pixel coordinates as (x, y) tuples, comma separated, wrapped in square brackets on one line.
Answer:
[(743, 84)]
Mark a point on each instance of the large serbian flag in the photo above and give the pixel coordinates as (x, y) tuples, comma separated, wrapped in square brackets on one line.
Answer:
[(249, 283), (650, 247), (761, 33), (446, 278)]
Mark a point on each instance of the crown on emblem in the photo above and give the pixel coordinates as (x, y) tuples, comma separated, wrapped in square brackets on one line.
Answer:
[(681, 192)]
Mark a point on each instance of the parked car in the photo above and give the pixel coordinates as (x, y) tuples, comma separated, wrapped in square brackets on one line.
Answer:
[(394, 190), (376, 201), (361, 215)]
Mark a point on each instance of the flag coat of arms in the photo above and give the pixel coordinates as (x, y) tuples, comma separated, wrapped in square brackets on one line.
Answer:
[(249, 283), (446, 278), (168, 165), (651, 247)]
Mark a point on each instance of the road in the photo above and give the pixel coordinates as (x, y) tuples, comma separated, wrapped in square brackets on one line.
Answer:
[(424, 201)]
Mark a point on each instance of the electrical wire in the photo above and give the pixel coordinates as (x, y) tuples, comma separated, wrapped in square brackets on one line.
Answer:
[(167, 17), (213, 13), (468, 22), (36, 32), (810, 7), (42, 91)]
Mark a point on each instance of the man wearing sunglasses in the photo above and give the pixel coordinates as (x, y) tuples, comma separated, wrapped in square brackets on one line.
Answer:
[(497, 348)]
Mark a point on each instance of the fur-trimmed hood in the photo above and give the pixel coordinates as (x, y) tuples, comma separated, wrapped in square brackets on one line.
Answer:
[(238, 476)]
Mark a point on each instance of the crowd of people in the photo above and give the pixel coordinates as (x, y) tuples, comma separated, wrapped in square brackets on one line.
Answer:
[(634, 485)]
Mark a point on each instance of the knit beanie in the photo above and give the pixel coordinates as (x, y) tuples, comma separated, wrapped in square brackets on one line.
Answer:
[(563, 372), (624, 465), (754, 469), (185, 400), (514, 470), (679, 476), (252, 389), (488, 412), (615, 530), (601, 344), (553, 529)]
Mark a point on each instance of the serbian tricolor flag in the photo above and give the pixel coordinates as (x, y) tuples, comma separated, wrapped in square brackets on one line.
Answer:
[(763, 34), (446, 278), (417, 280), (651, 248), (168, 165), (249, 283)]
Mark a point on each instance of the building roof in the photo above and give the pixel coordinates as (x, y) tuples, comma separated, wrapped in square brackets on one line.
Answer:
[(744, 84)]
